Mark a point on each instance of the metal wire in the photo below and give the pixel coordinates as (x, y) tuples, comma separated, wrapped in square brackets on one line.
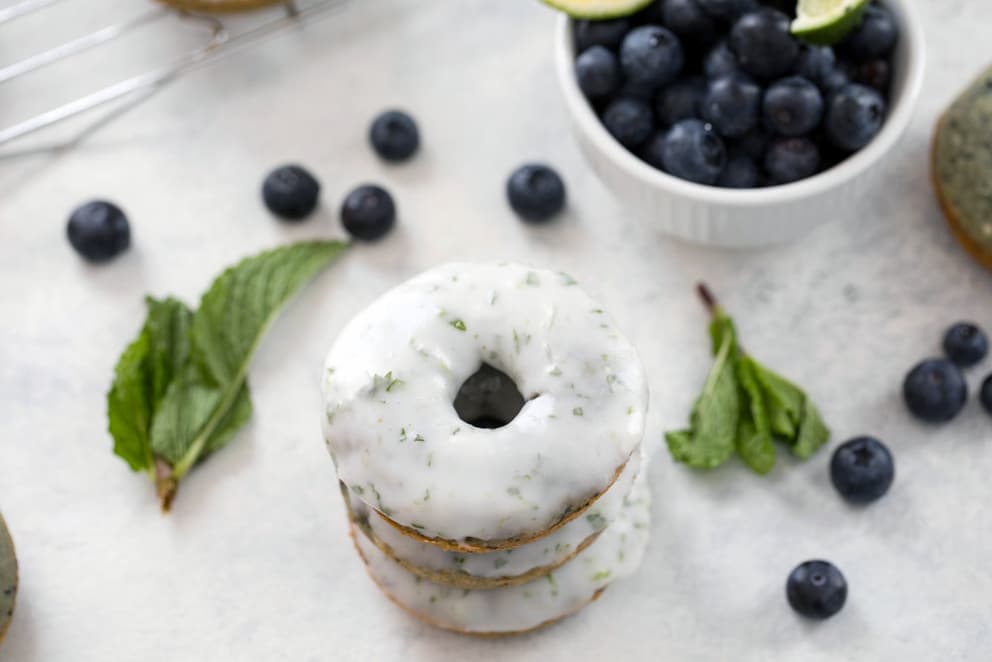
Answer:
[(221, 43)]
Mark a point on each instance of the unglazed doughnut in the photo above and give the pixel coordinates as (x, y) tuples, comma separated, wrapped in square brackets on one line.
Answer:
[(398, 443), (499, 567), (616, 553)]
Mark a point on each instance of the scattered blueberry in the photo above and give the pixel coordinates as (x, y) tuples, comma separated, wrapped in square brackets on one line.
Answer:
[(98, 230), (739, 172), (965, 344), (600, 33), (985, 395), (692, 150), (394, 135), (935, 390), (290, 192), (720, 62), (816, 589), (791, 159), (874, 37), (732, 105), (862, 469), (875, 74), (598, 72), (368, 212), (727, 10), (651, 55), (688, 20), (792, 106), (536, 192), (763, 44), (629, 120), (815, 63), (854, 116), (680, 100)]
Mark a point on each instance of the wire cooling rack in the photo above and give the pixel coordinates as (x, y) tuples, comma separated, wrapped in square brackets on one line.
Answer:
[(213, 20)]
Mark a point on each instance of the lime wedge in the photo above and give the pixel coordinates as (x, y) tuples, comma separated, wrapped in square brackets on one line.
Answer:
[(598, 9), (825, 22)]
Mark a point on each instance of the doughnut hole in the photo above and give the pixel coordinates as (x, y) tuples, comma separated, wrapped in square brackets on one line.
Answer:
[(489, 398)]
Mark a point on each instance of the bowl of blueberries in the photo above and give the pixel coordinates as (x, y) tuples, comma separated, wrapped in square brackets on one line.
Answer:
[(723, 122)]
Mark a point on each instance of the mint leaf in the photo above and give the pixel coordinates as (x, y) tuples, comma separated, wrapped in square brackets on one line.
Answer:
[(142, 376), (813, 432), (715, 417), (784, 401), (180, 390), (754, 436), (211, 402)]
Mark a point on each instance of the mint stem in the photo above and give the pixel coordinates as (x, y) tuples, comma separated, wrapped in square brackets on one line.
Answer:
[(708, 299), (165, 484)]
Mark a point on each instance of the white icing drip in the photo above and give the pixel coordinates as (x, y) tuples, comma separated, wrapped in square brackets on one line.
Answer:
[(617, 553), (393, 373), (543, 553)]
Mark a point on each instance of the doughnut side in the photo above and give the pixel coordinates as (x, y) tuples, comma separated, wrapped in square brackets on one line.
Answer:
[(8, 578), (961, 168), (615, 554), (477, 546)]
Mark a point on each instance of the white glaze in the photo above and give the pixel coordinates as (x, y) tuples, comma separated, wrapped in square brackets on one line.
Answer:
[(615, 554), (392, 375), (545, 552)]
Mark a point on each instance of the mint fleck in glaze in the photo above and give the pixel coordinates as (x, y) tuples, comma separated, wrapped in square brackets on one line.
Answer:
[(458, 324)]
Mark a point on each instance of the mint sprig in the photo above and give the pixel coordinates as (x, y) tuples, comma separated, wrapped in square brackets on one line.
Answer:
[(180, 388), (744, 407)]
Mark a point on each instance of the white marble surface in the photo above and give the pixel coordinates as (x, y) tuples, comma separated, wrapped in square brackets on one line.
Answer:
[(254, 563)]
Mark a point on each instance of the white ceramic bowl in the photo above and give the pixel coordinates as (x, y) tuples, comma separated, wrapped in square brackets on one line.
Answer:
[(753, 217)]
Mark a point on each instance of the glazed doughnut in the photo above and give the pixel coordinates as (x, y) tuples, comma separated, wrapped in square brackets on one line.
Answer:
[(395, 371), (499, 567), (616, 553)]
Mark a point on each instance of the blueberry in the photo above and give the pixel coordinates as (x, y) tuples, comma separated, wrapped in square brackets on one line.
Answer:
[(792, 106), (536, 192), (290, 192), (935, 390), (739, 172), (763, 44), (598, 72), (651, 55), (754, 143), (680, 100), (854, 116), (732, 105), (692, 150), (874, 37), (985, 395), (965, 344), (720, 62), (600, 33), (791, 159), (98, 230), (816, 589), (687, 19), (368, 212), (862, 469), (834, 82), (876, 74), (727, 10), (629, 120), (815, 63), (394, 135)]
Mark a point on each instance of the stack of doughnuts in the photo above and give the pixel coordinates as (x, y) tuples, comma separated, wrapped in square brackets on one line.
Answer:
[(485, 422)]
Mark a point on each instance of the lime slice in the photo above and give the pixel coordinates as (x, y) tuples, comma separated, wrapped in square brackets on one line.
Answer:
[(598, 9), (8, 578), (825, 22)]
